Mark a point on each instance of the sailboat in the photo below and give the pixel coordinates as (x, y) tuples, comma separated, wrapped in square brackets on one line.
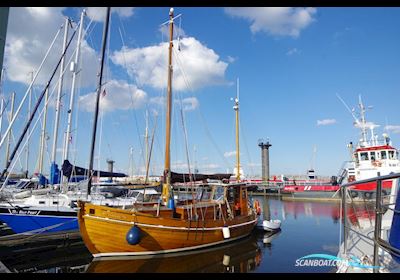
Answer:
[(165, 227)]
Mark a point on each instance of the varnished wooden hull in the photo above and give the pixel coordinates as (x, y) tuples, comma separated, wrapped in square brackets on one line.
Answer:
[(104, 231)]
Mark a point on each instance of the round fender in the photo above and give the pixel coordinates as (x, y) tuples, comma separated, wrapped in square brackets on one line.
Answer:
[(133, 235)]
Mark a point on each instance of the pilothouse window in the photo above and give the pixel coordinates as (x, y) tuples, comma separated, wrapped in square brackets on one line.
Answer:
[(372, 155), (364, 156), (383, 155), (391, 155)]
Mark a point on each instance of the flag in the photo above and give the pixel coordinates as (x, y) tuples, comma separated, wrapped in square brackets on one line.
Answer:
[(103, 93)]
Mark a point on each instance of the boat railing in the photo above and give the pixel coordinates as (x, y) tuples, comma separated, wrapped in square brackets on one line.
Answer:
[(379, 209)]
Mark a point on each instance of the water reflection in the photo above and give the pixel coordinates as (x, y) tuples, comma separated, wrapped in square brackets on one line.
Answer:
[(307, 228), (241, 256)]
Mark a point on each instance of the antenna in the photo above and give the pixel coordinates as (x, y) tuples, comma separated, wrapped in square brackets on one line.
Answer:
[(348, 109)]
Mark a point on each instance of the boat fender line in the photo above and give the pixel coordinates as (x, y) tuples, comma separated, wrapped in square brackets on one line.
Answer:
[(257, 207), (133, 235), (394, 235), (226, 232)]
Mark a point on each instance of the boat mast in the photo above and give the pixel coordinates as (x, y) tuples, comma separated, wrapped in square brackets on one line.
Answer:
[(146, 137), (9, 135), (96, 113), (29, 113), (75, 71), (1, 114), (363, 124), (43, 134), (54, 170), (167, 168), (236, 108)]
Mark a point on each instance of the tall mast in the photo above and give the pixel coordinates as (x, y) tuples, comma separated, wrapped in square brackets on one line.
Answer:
[(1, 115), (96, 113), (236, 108), (29, 113), (75, 71), (54, 170), (363, 122), (146, 137), (167, 169), (43, 133), (9, 135)]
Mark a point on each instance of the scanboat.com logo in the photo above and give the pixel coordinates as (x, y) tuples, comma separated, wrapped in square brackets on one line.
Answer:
[(329, 260)]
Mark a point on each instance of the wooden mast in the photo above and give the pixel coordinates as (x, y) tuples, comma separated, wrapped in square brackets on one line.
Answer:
[(236, 108), (103, 49), (167, 167)]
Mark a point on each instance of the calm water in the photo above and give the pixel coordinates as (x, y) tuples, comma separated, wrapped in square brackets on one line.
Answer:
[(307, 228)]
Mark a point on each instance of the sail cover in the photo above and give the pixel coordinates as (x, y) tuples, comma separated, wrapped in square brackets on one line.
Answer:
[(68, 169), (185, 177)]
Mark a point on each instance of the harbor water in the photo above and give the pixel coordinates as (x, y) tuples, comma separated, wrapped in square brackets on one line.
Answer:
[(308, 227)]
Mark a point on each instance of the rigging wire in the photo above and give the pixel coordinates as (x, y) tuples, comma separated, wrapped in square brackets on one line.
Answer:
[(133, 111), (201, 115), (19, 153)]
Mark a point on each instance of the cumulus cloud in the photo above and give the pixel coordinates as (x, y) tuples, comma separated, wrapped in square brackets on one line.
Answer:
[(190, 103), (367, 125), (230, 154), (326, 122), (99, 13), (30, 33), (148, 65), (393, 128), (280, 21), (119, 96), (292, 51)]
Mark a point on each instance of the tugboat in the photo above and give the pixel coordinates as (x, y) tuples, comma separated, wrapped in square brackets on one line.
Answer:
[(371, 157)]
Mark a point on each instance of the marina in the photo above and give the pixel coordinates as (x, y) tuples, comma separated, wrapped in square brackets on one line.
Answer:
[(110, 164), (315, 224)]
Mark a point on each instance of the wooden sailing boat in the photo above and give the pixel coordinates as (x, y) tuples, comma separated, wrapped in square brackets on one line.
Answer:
[(164, 227)]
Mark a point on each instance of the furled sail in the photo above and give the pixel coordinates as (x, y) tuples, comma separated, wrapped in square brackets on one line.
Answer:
[(185, 177), (69, 169)]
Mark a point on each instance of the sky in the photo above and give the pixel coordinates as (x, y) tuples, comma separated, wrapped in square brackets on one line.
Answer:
[(291, 64)]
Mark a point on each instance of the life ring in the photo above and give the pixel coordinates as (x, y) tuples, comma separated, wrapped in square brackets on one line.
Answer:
[(257, 207)]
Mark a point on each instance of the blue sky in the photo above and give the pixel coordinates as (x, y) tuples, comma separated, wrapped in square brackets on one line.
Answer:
[(291, 64)]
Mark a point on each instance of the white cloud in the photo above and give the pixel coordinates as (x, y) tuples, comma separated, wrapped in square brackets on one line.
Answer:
[(231, 59), (293, 51), (177, 31), (367, 125), (30, 33), (99, 13), (230, 154), (148, 65), (119, 96), (209, 166), (281, 21), (393, 128), (190, 103), (326, 122)]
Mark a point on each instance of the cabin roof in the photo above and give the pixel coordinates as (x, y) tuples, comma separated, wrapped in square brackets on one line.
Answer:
[(374, 148)]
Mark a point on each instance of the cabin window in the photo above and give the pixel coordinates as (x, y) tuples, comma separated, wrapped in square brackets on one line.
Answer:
[(373, 156), (364, 156), (41, 202), (383, 155), (391, 155), (219, 193), (55, 202)]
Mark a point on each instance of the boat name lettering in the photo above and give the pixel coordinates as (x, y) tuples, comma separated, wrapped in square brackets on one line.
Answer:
[(24, 212)]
